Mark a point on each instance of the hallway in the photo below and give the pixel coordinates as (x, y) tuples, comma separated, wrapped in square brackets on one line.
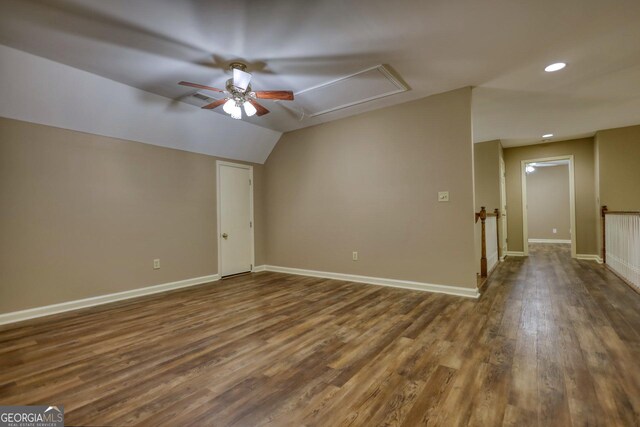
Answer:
[(552, 342), (570, 332)]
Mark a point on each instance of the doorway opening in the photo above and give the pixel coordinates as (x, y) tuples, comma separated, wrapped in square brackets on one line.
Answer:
[(548, 202)]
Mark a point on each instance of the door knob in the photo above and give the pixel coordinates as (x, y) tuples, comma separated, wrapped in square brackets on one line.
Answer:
[(225, 235)]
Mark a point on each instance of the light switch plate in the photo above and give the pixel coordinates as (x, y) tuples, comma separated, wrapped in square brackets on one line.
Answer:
[(443, 196)]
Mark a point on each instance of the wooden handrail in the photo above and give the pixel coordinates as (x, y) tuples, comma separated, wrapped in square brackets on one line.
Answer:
[(608, 212)]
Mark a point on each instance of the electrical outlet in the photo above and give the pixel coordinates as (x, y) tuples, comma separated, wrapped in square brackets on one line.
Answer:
[(555, 231), (156, 264), (443, 196), (355, 256)]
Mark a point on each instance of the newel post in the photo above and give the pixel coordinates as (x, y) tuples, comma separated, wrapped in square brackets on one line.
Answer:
[(482, 216), (603, 212)]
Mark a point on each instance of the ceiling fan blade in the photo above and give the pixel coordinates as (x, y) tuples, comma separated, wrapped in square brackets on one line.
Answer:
[(198, 86), (284, 95), (261, 111), (215, 104)]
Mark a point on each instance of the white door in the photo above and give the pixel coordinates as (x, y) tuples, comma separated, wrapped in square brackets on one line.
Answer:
[(235, 237), (503, 208)]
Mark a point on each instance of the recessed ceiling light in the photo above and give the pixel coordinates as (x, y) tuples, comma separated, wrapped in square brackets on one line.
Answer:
[(547, 135), (555, 67)]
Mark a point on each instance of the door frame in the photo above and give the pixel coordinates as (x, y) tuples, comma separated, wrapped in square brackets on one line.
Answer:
[(572, 200), (220, 163), (502, 168)]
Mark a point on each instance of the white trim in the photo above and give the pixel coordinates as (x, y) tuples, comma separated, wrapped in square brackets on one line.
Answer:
[(589, 257), (514, 253), (549, 241), (492, 261), (503, 205), (381, 68), (253, 222), (47, 310), (394, 283), (259, 268), (572, 199)]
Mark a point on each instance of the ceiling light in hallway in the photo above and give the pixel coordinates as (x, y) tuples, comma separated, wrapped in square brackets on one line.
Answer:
[(555, 67), (547, 135)]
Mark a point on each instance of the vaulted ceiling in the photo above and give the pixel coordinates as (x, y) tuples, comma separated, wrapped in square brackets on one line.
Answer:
[(498, 46)]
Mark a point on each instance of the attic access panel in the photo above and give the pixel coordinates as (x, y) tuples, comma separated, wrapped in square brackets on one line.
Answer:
[(366, 85)]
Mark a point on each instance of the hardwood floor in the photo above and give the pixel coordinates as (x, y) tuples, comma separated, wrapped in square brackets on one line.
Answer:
[(553, 341)]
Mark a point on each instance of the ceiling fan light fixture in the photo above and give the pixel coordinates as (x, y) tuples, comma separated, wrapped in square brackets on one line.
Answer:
[(231, 107), (228, 106), (236, 113), (249, 109)]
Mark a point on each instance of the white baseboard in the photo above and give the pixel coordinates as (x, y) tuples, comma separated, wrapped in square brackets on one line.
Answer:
[(404, 284), (514, 253), (47, 310), (589, 257), (32, 313), (548, 241)]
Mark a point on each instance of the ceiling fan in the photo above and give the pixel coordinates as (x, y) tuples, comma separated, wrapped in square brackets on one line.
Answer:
[(238, 94)]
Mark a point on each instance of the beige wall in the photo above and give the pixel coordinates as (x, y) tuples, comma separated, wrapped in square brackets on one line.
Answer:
[(486, 161), (369, 183), (548, 203), (619, 168), (583, 152), (617, 159), (84, 215), (486, 171)]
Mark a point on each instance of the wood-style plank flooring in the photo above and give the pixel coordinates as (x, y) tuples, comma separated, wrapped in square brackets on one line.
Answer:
[(553, 341)]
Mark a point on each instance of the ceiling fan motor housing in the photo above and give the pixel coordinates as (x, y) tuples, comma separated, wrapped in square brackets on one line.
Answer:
[(236, 91), (238, 66)]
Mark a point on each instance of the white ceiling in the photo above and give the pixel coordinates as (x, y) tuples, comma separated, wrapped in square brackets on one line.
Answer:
[(498, 46), (38, 90)]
